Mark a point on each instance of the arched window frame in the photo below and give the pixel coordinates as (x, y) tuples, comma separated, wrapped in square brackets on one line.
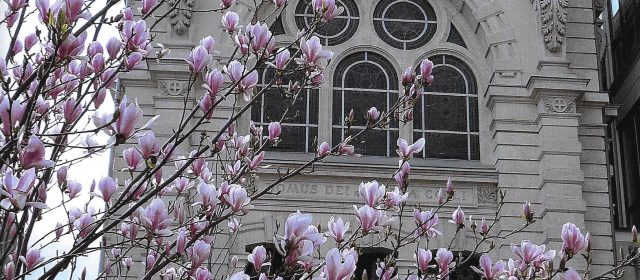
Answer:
[(470, 95), (339, 128)]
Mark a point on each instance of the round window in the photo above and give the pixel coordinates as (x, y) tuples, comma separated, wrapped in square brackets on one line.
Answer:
[(335, 32), (405, 24)]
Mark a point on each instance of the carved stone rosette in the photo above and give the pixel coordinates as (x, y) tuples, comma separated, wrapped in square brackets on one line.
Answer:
[(180, 16), (558, 104), (553, 14), (172, 87), (487, 195)]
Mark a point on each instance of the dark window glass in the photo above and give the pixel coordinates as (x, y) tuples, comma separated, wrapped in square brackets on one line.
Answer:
[(447, 114), (404, 24), (361, 81), (298, 115), (368, 262), (334, 32), (277, 28), (455, 37)]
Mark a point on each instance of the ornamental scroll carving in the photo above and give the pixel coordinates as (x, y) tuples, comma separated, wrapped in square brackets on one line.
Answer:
[(554, 19), (172, 87), (558, 104), (180, 16), (487, 195)]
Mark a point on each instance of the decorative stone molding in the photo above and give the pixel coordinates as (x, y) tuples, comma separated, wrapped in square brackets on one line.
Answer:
[(554, 18), (180, 17), (487, 195), (558, 104), (172, 87)]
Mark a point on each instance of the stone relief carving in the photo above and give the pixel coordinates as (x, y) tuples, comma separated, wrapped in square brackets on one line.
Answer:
[(487, 195), (558, 104), (554, 18), (172, 87), (180, 17)]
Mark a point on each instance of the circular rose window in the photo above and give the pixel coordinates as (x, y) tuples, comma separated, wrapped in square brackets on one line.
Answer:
[(405, 24), (335, 32)]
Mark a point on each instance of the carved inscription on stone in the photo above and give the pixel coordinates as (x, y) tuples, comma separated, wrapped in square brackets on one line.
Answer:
[(341, 193)]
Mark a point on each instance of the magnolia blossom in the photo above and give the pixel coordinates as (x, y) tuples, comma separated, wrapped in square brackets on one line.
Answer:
[(107, 188), (234, 225), (133, 158), (634, 234), (32, 258), (33, 155), (339, 266), (199, 253), (73, 188), (426, 67), (238, 275), (530, 253), (213, 81), (258, 257), (281, 60), (458, 217), (423, 257), (312, 52), (408, 76), (484, 227), (371, 192), (256, 161), (489, 271), (327, 8), (444, 258), (426, 222), (337, 229), (373, 114), (198, 59), (386, 272), (238, 199), (573, 240), (208, 196), (274, 131), (406, 151), (155, 218), (572, 274), (368, 218), (527, 214), (279, 3), (16, 191), (208, 43), (441, 198), (323, 150), (449, 188), (395, 198), (230, 21)]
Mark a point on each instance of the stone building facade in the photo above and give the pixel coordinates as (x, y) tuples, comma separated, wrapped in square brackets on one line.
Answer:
[(517, 105)]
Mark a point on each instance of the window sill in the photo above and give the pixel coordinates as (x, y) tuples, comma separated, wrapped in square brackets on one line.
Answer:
[(435, 169)]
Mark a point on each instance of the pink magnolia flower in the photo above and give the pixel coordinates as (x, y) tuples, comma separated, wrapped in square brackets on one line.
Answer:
[(30, 41), (136, 34), (258, 257), (238, 275), (345, 149), (224, 4), (147, 5), (406, 151), (16, 191), (203, 273), (339, 266), (127, 262), (371, 192), (450, 190), (125, 124), (444, 258), (15, 5), (207, 105), (97, 63), (58, 231), (133, 158), (274, 131), (247, 84), (457, 217), (317, 78), (368, 218), (238, 199), (529, 252), (33, 155), (107, 188), (572, 274), (213, 81), (234, 225), (260, 36), (324, 150), (426, 222), (73, 188), (10, 114), (527, 214), (408, 76), (256, 161), (73, 9), (113, 46), (489, 270), (199, 253), (281, 60), (95, 48), (426, 67), (634, 234), (230, 21), (373, 114), (394, 198), (279, 3), (386, 272), (337, 229), (150, 262), (484, 227), (72, 45), (327, 8), (208, 196), (573, 240), (149, 145), (71, 110), (198, 59), (208, 43), (32, 258), (133, 59), (181, 241), (423, 257), (296, 224), (312, 52), (155, 218), (85, 224), (9, 270)]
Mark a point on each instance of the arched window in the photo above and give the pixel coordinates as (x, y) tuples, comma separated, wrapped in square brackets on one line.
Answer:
[(336, 31), (300, 124), (447, 114), (363, 80), (404, 24)]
